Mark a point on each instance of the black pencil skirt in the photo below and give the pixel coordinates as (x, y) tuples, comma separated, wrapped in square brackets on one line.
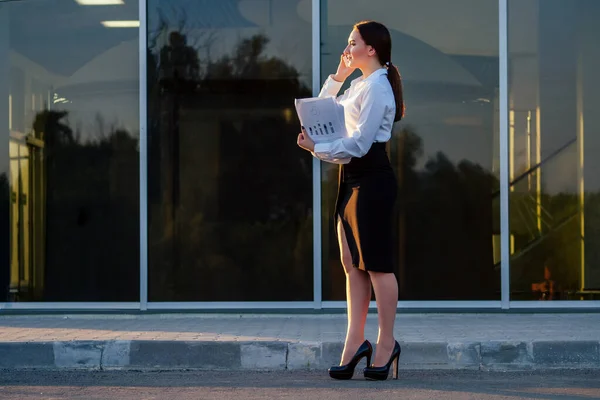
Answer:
[(367, 192)]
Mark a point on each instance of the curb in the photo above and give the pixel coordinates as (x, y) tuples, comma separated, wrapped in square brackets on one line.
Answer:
[(276, 356)]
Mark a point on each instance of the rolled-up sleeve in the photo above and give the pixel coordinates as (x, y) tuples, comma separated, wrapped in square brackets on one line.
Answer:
[(330, 88), (371, 115)]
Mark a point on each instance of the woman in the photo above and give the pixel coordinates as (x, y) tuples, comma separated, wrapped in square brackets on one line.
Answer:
[(366, 194)]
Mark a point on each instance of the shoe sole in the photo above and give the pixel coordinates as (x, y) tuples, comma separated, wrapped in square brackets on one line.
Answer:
[(376, 378)]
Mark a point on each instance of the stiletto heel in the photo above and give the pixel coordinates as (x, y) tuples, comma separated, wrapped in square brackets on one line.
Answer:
[(347, 371), (381, 373)]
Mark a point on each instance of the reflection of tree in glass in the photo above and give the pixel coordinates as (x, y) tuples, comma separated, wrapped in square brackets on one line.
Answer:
[(444, 225), (178, 60), (248, 62), (92, 203), (221, 204)]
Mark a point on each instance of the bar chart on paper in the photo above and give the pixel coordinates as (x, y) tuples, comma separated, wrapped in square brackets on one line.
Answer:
[(323, 118)]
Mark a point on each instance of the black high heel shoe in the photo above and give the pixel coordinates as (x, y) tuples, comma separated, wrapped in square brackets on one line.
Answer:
[(381, 373), (346, 371)]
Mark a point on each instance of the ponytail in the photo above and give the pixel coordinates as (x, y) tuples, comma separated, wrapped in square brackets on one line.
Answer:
[(396, 83), (376, 35)]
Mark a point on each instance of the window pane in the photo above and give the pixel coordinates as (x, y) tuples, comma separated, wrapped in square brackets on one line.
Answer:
[(554, 200), (445, 152), (230, 192), (69, 158)]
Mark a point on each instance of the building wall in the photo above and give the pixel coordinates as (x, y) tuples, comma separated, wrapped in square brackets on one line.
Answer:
[(230, 196)]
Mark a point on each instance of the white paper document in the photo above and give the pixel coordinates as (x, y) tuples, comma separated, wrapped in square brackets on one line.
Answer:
[(322, 117)]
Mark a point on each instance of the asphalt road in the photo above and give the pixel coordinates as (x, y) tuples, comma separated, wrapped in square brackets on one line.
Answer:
[(412, 385)]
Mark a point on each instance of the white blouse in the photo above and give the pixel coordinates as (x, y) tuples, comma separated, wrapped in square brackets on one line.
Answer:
[(369, 110)]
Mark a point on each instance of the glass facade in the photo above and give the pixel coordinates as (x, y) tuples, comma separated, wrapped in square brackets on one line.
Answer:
[(230, 195), (555, 195), (492, 151), (445, 154), (69, 156)]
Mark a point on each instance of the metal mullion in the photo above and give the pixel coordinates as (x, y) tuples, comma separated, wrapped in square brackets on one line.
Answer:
[(504, 155), (316, 182), (143, 155)]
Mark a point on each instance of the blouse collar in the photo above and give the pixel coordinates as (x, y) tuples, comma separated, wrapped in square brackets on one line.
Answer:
[(374, 75)]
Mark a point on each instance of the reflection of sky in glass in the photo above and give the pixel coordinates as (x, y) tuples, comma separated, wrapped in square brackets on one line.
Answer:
[(62, 36), (227, 22), (448, 26)]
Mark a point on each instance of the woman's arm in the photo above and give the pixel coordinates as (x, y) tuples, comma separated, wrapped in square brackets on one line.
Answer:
[(331, 87)]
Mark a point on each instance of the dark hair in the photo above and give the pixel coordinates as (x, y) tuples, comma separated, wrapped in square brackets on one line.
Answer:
[(378, 36)]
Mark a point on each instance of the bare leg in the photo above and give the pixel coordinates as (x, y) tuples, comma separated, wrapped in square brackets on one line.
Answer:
[(386, 294), (358, 296)]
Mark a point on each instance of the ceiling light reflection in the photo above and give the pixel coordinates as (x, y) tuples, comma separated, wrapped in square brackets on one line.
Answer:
[(121, 24), (100, 2)]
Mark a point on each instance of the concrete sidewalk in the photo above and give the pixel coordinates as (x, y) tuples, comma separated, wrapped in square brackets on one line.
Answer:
[(278, 342)]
